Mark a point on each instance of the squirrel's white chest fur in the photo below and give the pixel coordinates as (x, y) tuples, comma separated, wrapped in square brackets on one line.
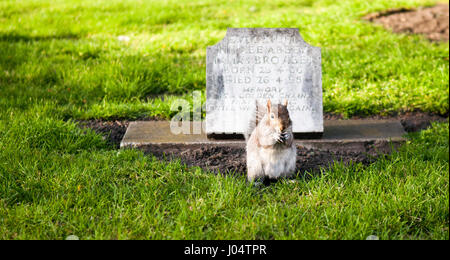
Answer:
[(278, 162), (272, 162)]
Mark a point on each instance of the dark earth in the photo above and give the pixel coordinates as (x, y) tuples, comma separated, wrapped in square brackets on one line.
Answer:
[(227, 160), (429, 21), (232, 159)]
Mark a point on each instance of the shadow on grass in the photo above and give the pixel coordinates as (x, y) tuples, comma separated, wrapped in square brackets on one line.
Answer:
[(80, 74), (13, 37)]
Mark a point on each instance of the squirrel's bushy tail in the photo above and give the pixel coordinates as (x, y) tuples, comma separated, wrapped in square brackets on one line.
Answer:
[(256, 116)]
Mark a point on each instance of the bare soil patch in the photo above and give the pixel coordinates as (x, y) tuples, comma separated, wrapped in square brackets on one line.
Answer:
[(226, 160), (433, 22), (232, 159), (112, 131)]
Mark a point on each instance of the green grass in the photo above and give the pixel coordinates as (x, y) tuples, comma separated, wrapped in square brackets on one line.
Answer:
[(67, 53), (50, 188), (61, 61)]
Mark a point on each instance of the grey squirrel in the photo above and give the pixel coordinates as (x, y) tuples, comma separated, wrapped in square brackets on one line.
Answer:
[(271, 152)]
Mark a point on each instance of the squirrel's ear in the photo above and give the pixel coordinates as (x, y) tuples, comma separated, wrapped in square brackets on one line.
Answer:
[(285, 102), (269, 105)]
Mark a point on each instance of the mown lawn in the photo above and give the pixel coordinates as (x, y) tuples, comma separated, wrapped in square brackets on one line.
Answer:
[(61, 61)]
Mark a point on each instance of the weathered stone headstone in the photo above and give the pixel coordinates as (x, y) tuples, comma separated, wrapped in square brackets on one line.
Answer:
[(258, 64)]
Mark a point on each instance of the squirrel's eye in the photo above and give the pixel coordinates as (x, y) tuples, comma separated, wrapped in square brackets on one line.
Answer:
[(272, 116)]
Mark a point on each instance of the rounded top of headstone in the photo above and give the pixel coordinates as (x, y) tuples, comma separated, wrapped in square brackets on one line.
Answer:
[(263, 34), (238, 31)]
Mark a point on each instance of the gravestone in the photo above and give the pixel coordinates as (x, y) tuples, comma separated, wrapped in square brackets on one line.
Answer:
[(260, 64), (257, 64)]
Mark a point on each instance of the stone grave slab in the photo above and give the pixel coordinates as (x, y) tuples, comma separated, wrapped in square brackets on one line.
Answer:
[(352, 135)]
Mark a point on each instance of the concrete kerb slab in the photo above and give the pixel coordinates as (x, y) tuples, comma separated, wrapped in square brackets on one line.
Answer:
[(373, 136)]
